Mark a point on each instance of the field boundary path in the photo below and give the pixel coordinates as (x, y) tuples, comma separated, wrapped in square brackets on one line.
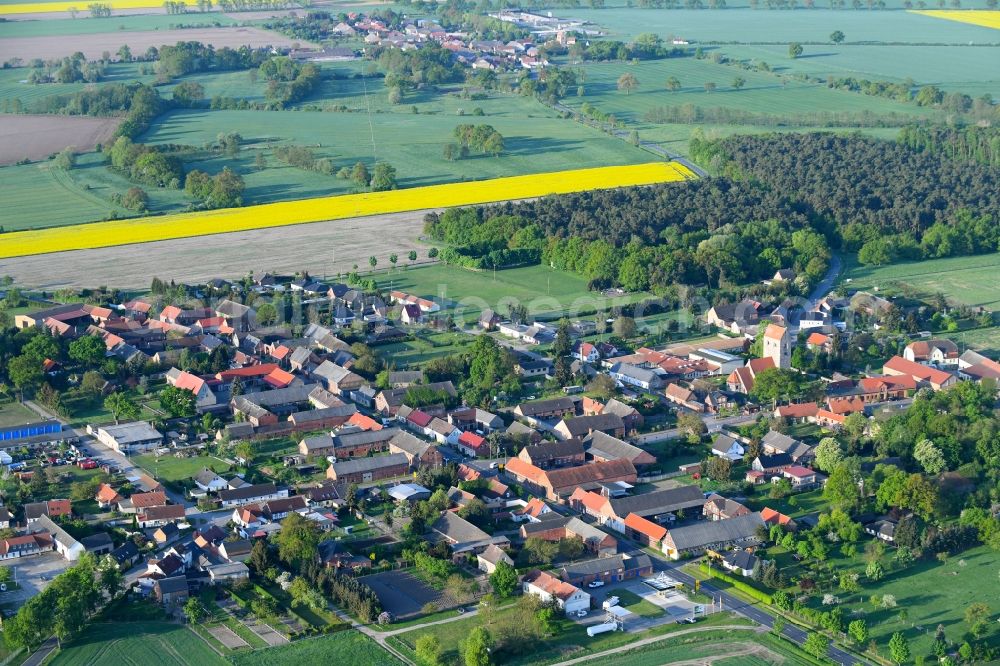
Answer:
[(42, 653), (656, 639), (648, 146)]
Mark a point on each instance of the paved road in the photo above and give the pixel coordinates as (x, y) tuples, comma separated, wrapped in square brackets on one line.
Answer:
[(654, 148), (826, 284), (39, 655)]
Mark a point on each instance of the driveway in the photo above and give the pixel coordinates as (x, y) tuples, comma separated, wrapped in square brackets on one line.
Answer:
[(33, 573)]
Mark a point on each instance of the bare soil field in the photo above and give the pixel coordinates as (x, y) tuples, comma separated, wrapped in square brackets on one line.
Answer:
[(93, 46), (37, 137), (322, 248)]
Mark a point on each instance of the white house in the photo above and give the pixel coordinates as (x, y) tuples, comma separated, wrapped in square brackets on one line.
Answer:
[(210, 482), (204, 398), (726, 446), (547, 587)]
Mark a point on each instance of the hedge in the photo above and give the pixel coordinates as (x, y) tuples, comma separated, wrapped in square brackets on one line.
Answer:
[(738, 584)]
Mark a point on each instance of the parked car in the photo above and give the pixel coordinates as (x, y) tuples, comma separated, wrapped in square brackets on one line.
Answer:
[(687, 620), (581, 613), (594, 584)]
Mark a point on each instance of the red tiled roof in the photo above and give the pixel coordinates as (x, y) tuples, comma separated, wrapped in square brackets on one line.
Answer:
[(817, 339), (774, 332), (193, 383), (419, 418), (647, 527), (552, 585), (364, 422), (278, 378), (472, 440), (59, 507), (770, 516), (145, 500), (589, 500), (847, 405), (248, 371), (107, 494), (900, 365), (797, 411)]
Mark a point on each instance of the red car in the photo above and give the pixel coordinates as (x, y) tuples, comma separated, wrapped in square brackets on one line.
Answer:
[(87, 464)]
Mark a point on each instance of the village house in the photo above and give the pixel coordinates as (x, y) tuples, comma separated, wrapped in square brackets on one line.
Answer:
[(204, 398), (602, 447), (939, 352), (129, 438), (614, 569), (365, 470), (734, 317), (581, 426), (660, 506), (549, 454), (461, 536), (553, 527), (24, 546), (488, 560), (635, 376), (922, 374), (419, 454), (644, 531), (556, 484), (155, 516), (741, 380), (545, 410), (718, 507), (569, 598), (246, 494), (725, 445)]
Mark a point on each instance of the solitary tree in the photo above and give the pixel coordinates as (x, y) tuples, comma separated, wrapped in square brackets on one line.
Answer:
[(121, 407), (673, 84), (372, 261), (739, 82), (836, 37), (899, 649), (412, 256), (504, 580), (393, 258), (794, 50), (709, 86), (627, 82)]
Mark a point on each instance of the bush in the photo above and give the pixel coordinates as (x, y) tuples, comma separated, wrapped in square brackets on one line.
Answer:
[(738, 584)]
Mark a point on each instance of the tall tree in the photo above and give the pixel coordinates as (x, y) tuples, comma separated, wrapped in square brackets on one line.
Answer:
[(627, 82), (121, 407)]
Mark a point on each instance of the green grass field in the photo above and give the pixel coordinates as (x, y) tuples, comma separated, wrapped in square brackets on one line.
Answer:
[(87, 26), (465, 293), (135, 644), (14, 85), (14, 413), (739, 24), (172, 468), (758, 650), (345, 647), (762, 93), (968, 280), (571, 641)]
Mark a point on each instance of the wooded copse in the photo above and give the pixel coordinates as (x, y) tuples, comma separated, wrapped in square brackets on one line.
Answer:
[(780, 204)]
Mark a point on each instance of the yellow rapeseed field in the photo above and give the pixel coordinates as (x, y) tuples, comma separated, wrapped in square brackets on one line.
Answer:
[(185, 225), (62, 6), (984, 18)]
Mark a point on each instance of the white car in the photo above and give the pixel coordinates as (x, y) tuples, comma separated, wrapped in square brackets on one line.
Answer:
[(595, 584), (581, 613)]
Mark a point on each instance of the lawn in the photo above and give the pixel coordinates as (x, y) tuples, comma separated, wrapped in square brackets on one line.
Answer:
[(39, 195), (424, 348), (967, 280), (14, 413), (710, 644), (763, 92), (638, 605), (466, 293), (571, 641), (345, 647), (171, 468), (160, 643), (795, 505)]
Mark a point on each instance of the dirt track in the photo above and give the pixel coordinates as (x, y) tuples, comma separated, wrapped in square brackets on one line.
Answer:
[(321, 248), (93, 46), (37, 137)]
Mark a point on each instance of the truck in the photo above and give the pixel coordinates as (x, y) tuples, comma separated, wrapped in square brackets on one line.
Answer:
[(609, 602), (601, 628)]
